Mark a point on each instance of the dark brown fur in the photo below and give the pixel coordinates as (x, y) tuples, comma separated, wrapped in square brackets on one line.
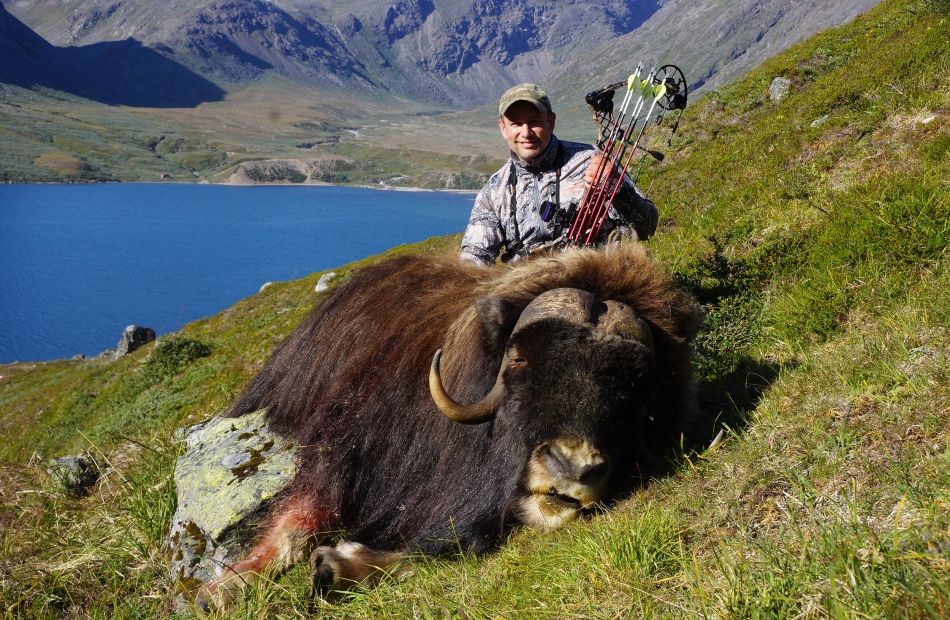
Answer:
[(378, 460)]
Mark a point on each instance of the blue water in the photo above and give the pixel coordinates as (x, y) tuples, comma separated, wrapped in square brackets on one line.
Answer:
[(80, 262)]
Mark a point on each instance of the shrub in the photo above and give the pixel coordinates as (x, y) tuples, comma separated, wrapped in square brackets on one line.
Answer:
[(172, 355)]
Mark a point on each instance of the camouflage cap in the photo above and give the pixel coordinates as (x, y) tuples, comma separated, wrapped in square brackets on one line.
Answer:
[(531, 93)]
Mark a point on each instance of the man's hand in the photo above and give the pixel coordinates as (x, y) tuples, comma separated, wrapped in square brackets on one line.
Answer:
[(595, 163)]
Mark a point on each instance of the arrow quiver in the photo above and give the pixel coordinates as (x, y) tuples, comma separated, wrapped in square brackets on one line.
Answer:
[(601, 104)]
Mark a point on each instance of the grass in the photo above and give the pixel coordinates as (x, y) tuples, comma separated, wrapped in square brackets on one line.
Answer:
[(818, 252)]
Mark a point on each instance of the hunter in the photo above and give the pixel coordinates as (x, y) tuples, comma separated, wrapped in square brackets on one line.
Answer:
[(512, 215)]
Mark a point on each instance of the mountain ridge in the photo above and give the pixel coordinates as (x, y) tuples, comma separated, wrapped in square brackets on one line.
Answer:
[(449, 52), (369, 82)]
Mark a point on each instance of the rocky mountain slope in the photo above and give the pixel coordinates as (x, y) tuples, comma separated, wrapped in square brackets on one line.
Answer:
[(450, 51), (399, 93), (114, 72)]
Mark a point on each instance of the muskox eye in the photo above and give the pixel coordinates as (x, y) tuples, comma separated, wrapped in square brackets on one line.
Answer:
[(515, 358)]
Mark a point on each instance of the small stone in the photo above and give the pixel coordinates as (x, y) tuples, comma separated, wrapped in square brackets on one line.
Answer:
[(819, 121), (75, 474), (324, 282)]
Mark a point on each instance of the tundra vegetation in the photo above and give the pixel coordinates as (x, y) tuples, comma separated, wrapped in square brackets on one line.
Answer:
[(813, 230)]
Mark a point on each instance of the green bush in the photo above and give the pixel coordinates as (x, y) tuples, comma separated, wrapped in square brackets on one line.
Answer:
[(172, 355)]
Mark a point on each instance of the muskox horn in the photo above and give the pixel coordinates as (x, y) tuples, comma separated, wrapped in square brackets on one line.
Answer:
[(569, 304), (621, 320), (457, 412)]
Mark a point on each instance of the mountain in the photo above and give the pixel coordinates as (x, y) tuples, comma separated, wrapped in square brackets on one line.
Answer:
[(413, 47), (114, 72), (369, 91), (451, 51)]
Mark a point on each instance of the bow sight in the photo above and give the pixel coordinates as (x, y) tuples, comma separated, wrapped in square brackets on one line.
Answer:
[(601, 101)]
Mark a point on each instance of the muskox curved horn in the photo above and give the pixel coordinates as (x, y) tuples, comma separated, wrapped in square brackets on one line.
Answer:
[(621, 320), (569, 304), (457, 412)]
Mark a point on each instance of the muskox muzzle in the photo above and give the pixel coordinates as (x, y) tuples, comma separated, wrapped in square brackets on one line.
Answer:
[(564, 477)]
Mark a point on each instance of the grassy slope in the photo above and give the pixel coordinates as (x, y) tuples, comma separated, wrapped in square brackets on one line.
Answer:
[(818, 250)]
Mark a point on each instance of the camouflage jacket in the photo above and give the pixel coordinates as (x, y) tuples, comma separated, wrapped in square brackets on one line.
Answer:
[(507, 211)]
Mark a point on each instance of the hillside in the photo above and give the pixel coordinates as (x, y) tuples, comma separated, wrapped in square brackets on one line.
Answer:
[(813, 230), (90, 87)]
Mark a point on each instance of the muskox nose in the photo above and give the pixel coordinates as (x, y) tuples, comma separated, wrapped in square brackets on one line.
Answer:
[(576, 460), (563, 478)]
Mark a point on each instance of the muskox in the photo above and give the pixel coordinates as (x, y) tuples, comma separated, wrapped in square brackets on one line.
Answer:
[(438, 405)]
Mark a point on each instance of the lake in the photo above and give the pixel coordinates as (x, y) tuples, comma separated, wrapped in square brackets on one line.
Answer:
[(80, 262)]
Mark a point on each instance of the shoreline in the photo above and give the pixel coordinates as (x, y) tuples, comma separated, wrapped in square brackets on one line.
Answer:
[(387, 188)]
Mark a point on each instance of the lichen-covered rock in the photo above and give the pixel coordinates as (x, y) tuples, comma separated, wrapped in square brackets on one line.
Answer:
[(324, 282), (779, 88), (230, 469)]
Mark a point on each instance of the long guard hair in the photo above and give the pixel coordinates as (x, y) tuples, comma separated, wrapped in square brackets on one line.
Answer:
[(351, 385)]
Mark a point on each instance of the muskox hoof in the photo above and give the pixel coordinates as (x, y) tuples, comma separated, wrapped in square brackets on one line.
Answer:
[(324, 568), (333, 569), (221, 593)]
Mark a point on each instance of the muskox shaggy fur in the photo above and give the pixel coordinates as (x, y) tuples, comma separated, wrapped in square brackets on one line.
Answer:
[(382, 465)]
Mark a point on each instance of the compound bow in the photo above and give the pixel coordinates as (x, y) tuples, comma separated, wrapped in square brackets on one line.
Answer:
[(619, 137)]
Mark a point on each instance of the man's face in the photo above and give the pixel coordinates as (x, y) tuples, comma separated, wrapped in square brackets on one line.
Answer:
[(526, 129)]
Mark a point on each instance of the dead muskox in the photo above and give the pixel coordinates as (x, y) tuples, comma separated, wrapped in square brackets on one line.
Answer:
[(579, 368)]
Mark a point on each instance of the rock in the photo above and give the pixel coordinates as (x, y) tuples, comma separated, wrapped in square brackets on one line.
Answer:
[(324, 282), (348, 25), (75, 474), (230, 468), (821, 120), (779, 88), (132, 338)]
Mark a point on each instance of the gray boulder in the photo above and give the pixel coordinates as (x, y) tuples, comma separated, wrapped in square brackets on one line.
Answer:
[(324, 282), (779, 88), (132, 338), (230, 468), (75, 474)]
